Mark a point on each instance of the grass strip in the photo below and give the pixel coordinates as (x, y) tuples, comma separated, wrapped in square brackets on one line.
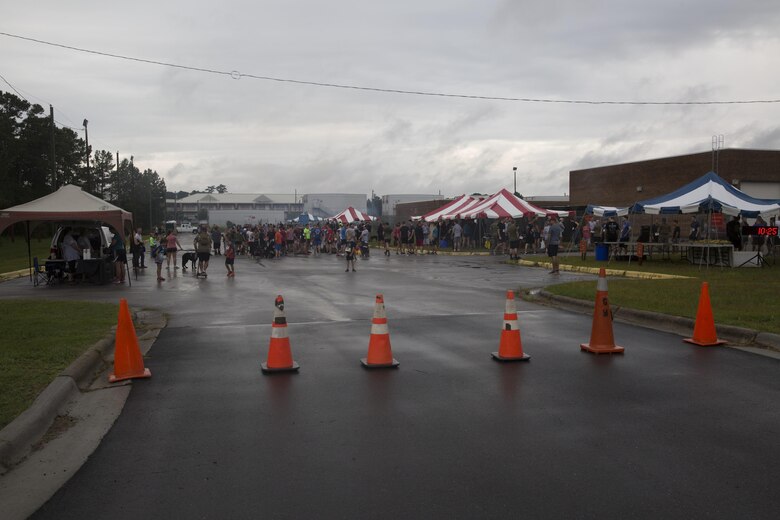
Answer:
[(40, 339), (13, 255), (745, 297)]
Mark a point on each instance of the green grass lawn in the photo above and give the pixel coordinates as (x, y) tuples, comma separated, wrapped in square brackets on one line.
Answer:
[(13, 255), (745, 297), (40, 339)]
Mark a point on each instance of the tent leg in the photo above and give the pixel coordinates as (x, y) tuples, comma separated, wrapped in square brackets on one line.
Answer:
[(29, 252)]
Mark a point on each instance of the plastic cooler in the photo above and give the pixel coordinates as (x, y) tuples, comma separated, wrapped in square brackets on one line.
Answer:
[(602, 252)]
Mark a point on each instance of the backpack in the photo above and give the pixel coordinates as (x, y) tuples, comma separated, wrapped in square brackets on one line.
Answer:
[(203, 240)]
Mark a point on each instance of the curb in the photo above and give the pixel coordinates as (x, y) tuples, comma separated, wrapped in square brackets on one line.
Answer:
[(676, 324), (19, 436), (14, 274), (595, 270)]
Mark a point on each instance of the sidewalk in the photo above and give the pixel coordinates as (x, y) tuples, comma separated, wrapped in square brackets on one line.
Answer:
[(47, 443)]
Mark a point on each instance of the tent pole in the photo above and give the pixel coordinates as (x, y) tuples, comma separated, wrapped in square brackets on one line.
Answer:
[(29, 252)]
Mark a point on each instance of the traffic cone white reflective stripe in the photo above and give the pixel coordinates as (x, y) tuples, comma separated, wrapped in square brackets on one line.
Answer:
[(279, 353), (279, 331), (380, 353), (510, 315), (379, 326), (511, 346)]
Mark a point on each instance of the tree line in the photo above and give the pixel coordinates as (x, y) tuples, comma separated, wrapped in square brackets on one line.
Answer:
[(37, 157)]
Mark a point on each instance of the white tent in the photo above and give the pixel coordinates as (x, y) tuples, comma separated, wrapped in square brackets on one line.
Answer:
[(351, 214), (505, 204), (454, 207), (69, 203)]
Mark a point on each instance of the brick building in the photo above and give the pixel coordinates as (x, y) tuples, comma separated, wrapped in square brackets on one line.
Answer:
[(756, 172)]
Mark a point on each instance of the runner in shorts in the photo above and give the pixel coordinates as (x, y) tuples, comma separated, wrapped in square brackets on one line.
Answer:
[(230, 256), (554, 238)]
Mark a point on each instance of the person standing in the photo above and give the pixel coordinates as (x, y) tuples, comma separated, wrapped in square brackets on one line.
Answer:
[(404, 237), (349, 250), (172, 246), (625, 233), (203, 250), (138, 250), (694, 235), (120, 257), (278, 240), (611, 230), (365, 236), (306, 239), (554, 240), (216, 238), (316, 234), (418, 239), (433, 238), (158, 253), (514, 240), (734, 233), (758, 240), (230, 257), (71, 253), (457, 236), (586, 232), (154, 240)]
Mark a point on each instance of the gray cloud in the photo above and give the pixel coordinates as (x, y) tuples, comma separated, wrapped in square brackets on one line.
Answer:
[(198, 129)]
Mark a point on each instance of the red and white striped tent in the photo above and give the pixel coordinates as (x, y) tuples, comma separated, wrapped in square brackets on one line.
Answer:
[(505, 204), (454, 207), (351, 214)]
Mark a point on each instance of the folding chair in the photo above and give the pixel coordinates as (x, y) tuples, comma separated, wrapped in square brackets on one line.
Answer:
[(39, 274)]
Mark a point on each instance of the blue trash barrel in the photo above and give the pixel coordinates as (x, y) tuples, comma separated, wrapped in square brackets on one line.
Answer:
[(602, 252)]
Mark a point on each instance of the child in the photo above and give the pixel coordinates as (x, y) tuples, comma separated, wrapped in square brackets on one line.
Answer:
[(230, 256), (159, 257)]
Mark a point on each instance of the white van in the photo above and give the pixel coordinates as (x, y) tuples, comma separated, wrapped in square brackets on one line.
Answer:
[(99, 238)]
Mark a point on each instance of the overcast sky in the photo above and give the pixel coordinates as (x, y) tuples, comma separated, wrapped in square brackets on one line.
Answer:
[(198, 128)]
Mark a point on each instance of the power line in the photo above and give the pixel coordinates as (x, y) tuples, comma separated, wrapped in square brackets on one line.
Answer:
[(238, 75), (62, 125), (23, 97)]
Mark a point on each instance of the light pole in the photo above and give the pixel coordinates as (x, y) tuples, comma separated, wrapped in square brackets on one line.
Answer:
[(514, 170), (86, 145)]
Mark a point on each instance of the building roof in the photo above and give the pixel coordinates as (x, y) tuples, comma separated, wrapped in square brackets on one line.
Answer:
[(239, 198)]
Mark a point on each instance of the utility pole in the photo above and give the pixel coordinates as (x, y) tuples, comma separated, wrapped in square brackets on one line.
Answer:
[(52, 158), (717, 145), (86, 144)]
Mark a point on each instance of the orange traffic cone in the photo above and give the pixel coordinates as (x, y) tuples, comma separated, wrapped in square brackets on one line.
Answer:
[(704, 333), (279, 353), (511, 346), (601, 339), (380, 354), (128, 362)]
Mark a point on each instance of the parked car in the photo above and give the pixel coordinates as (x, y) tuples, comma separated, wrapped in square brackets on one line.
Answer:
[(186, 227)]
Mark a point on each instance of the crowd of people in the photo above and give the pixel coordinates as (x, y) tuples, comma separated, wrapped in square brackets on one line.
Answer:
[(502, 236)]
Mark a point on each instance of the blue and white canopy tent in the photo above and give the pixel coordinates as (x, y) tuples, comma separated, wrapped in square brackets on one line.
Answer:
[(305, 218), (708, 194)]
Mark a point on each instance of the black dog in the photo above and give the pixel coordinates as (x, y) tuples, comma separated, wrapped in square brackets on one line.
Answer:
[(189, 257)]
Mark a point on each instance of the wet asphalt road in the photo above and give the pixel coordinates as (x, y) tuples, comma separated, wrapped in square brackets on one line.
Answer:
[(666, 431)]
